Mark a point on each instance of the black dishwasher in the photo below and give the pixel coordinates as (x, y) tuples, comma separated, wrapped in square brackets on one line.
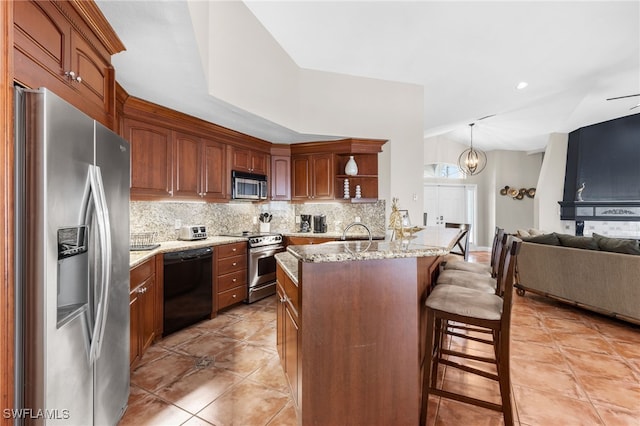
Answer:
[(187, 288)]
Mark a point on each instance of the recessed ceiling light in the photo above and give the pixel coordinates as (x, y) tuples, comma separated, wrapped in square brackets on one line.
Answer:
[(522, 85)]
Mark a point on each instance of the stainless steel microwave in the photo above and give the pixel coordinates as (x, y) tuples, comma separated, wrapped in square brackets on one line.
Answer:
[(248, 186)]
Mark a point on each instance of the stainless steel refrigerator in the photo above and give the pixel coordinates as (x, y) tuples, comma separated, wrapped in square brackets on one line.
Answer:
[(72, 265)]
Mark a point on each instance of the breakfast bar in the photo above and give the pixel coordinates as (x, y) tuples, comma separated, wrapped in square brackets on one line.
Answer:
[(351, 326)]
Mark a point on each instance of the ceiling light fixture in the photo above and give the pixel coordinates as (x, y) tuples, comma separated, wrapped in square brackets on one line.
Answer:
[(472, 161), (522, 85)]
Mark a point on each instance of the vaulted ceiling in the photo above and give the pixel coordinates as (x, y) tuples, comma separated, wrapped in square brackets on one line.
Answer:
[(468, 56)]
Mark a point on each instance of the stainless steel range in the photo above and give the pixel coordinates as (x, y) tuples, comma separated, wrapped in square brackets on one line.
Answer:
[(262, 248)]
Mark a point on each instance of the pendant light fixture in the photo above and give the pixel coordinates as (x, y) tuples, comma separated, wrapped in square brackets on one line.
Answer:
[(472, 161)]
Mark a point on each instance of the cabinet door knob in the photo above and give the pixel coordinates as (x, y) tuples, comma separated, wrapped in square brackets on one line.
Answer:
[(73, 77), (235, 263), (234, 280), (234, 249), (234, 296)]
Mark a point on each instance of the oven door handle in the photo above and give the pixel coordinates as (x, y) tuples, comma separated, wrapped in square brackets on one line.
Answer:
[(266, 251)]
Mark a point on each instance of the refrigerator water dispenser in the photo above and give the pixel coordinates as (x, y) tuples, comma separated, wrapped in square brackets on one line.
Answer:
[(73, 273)]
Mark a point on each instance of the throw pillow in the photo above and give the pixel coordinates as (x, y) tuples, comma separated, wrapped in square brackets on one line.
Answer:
[(617, 245), (587, 243), (522, 233), (533, 232), (549, 239)]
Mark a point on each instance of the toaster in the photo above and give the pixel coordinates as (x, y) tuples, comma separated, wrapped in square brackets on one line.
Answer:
[(192, 232)]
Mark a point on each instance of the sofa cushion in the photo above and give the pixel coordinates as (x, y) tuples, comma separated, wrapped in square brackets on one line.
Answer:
[(588, 243), (549, 239), (617, 245)]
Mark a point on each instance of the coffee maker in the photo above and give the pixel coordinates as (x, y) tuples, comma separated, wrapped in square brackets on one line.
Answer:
[(305, 223), (320, 223)]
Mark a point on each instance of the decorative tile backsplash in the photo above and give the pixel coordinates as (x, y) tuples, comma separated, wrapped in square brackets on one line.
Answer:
[(161, 217), (615, 229)]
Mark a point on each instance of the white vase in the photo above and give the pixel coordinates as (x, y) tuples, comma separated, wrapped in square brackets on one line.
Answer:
[(351, 168)]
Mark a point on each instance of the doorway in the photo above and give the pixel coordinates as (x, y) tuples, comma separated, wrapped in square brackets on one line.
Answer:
[(450, 203)]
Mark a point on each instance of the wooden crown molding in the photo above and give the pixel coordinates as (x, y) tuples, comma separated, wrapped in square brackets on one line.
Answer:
[(99, 25)]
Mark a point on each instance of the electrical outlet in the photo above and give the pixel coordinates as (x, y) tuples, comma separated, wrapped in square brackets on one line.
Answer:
[(177, 224), (298, 219), (255, 220), (357, 219)]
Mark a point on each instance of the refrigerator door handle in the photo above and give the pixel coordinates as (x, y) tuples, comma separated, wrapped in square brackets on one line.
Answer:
[(104, 235)]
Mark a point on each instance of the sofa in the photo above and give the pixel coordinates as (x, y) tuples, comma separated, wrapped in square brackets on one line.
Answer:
[(598, 273)]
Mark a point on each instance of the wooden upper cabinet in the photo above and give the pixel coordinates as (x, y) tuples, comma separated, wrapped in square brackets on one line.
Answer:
[(317, 169), (151, 159), (280, 177), (247, 160), (198, 168), (301, 177), (312, 177), (323, 175), (67, 47), (186, 165), (95, 72), (41, 36), (214, 170)]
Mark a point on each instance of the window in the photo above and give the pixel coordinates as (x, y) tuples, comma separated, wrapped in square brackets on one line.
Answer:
[(443, 170)]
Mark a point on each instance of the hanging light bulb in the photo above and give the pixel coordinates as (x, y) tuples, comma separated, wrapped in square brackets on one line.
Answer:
[(472, 161)]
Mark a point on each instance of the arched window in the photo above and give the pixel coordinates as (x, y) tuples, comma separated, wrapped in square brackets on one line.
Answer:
[(443, 171)]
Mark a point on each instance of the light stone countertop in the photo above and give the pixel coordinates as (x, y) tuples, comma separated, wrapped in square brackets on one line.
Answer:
[(336, 235), (432, 241), (289, 264), (138, 257)]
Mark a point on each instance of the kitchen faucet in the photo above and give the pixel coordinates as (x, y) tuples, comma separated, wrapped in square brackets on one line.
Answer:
[(344, 233)]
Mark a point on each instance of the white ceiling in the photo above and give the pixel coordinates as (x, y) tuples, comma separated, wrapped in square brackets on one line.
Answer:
[(469, 56)]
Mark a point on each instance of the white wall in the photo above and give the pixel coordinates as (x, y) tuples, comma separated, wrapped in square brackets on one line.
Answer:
[(516, 169), (551, 184), (369, 108), (248, 69), (513, 168)]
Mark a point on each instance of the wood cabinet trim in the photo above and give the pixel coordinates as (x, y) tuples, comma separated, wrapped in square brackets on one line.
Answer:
[(140, 109), (7, 197), (98, 25), (342, 146)]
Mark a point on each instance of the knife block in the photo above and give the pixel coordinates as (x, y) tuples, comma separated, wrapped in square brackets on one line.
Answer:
[(265, 227)]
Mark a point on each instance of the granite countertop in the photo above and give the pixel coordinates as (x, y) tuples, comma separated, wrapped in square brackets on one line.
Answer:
[(289, 264), (138, 257), (432, 241), (334, 235)]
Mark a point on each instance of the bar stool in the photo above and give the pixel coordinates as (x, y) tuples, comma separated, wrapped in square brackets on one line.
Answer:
[(479, 268), (484, 313), (460, 248), (477, 281)]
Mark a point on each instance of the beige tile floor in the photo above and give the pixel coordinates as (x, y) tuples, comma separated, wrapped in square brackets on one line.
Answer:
[(569, 367)]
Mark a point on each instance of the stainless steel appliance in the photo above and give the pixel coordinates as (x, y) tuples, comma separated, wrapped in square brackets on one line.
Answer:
[(261, 263), (72, 265), (248, 186), (192, 232), (305, 223), (187, 288), (320, 223)]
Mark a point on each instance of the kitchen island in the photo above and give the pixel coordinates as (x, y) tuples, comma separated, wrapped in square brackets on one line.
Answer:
[(351, 326)]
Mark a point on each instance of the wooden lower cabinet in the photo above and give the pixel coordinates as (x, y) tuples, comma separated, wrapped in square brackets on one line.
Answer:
[(231, 275), (351, 339), (288, 331), (143, 309)]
